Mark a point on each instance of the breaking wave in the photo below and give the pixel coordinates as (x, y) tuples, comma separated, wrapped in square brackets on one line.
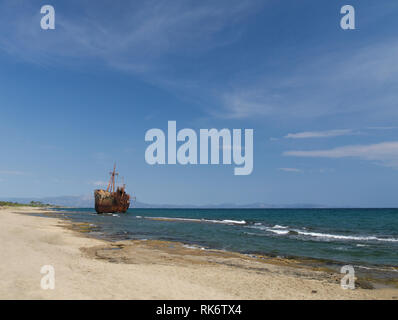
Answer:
[(279, 230), (342, 237), (283, 230), (230, 222)]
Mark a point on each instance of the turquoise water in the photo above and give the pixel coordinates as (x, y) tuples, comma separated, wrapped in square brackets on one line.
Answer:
[(356, 236)]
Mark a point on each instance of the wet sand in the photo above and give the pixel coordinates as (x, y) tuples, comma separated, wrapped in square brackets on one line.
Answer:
[(88, 268)]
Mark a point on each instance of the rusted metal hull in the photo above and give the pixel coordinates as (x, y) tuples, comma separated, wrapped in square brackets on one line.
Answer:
[(111, 202)]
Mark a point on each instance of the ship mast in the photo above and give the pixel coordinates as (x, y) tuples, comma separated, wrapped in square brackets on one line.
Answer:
[(111, 184)]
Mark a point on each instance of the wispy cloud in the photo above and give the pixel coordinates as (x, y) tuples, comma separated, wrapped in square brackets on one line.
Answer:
[(363, 83), (324, 170), (136, 39), (382, 128), (247, 103), (99, 183), (291, 170), (12, 172), (146, 38), (319, 134), (385, 153)]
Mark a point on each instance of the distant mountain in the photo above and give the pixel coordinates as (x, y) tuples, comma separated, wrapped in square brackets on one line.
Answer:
[(87, 201)]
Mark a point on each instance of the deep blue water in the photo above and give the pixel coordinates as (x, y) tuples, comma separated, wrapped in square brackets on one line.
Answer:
[(361, 236)]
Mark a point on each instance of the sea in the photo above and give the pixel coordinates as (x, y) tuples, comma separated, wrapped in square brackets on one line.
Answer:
[(362, 237)]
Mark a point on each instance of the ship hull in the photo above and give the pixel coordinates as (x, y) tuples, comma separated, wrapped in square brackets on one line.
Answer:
[(111, 202)]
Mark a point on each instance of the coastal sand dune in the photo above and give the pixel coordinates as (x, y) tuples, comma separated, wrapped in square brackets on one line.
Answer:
[(87, 268)]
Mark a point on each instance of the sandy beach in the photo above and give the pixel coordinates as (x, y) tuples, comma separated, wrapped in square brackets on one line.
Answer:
[(88, 268)]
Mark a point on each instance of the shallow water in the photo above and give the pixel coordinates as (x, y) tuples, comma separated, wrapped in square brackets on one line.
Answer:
[(355, 236)]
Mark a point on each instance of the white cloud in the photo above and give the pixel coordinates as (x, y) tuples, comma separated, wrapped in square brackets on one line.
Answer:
[(12, 172), (324, 170), (99, 183), (245, 104), (385, 153), (363, 81), (319, 134), (290, 170), (135, 36), (146, 38), (382, 128)]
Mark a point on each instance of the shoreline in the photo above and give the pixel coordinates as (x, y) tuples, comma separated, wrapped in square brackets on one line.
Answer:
[(369, 275), (92, 268)]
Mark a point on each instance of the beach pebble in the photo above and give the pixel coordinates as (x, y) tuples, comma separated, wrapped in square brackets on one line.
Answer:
[(363, 284)]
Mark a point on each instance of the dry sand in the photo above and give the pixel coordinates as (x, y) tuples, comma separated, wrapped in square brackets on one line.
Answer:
[(87, 268)]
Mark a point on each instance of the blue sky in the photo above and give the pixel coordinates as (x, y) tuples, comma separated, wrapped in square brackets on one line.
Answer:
[(323, 102)]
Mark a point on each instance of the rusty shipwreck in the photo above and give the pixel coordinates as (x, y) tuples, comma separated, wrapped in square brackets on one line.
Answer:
[(112, 200)]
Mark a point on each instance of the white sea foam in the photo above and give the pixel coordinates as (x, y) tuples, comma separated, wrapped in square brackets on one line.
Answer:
[(277, 226), (237, 222), (278, 231), (264, 228), (283, 230), (258, 226), (392, 269), (234, 221), (193, 247), (190, 247), (341, 237)]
